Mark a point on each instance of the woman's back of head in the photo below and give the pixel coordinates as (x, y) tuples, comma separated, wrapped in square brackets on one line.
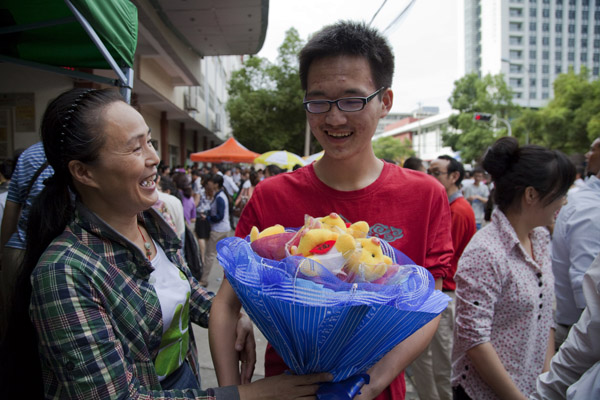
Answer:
[(514, 168)]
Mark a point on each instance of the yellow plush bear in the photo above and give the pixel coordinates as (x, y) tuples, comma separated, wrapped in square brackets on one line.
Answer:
[(272, 230), (364, 257)]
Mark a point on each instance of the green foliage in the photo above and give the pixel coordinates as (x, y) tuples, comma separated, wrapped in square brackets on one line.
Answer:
[(393, 149), (265, 101), (472, 94), (571, 120)]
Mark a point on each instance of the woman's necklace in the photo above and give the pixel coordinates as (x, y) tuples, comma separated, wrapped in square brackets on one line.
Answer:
[(147, 245)]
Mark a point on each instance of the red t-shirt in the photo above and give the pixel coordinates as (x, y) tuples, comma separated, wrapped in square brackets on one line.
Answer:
[(406, 208), (463, 229)]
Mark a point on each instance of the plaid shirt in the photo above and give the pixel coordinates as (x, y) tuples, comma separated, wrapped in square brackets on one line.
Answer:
[(98, 319)]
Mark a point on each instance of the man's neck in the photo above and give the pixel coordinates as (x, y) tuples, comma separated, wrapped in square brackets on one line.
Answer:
[(348, 175)]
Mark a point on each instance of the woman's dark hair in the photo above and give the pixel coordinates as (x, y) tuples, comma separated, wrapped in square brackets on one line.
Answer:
[(347, 38), (71, 130), (184, 183), (514, 168), (253, 178)]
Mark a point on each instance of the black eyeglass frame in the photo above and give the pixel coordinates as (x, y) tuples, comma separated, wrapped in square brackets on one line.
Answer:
[(364, 100)]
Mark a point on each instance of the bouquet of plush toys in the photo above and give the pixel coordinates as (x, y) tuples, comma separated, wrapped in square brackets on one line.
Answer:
[(342, 248), (328, 297)]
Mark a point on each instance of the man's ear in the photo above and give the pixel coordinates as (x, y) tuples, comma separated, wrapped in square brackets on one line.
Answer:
[(387, 100), (82, 174), (454, 176)]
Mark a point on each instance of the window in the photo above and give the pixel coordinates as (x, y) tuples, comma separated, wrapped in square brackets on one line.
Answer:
[(532, 68), (546, 41), (532, 82), (517, 95), (516, 68), (546, 27), (558, 14), (571, 56), (596, 44), (558, 55), (546, 13), (515, 26), (571, 42), (545, 69), (583, 57), (515, 82), (596, 57), (532, 95), (584, 29), (515, 54), (545, 95), (545, 82), (585, 15), (596, 71), (571, 28), (532, 12), (532, 27), (515, 40), (533, 40), (558, 69), (545, 55), (597, 14), (516, 12), (584, 43), (532, 54), (558, 28), (571, 14), (558, 41)]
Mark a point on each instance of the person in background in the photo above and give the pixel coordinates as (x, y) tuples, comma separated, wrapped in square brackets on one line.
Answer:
[(272, 170), (111, 296), (503, 336), (477, 195), (575, 244), (26, 183), (575, 370), (579, 182), (414, 163), (184, 184), (433, 369), (346, 72), (169, 203), (202, 228), (220, 227)]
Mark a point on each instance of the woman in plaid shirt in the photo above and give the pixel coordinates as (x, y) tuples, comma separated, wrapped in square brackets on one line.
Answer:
[(111, 296)]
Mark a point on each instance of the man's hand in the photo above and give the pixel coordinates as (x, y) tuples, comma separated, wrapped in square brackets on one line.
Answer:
[(282, 387)]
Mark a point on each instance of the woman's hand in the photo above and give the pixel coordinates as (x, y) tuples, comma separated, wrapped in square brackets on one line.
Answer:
[(283, 387), (246, 347)]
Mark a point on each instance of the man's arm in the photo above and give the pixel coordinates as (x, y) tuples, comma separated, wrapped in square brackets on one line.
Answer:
[(12, 212)]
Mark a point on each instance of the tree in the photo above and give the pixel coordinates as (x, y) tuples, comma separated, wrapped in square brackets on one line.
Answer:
[(571, 120), (472, 94), (265, 101), (393, 149)]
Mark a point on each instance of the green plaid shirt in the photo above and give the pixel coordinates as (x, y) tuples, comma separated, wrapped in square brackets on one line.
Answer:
[(98, 319)]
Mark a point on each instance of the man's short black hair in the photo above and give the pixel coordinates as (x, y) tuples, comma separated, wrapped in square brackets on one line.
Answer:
[(454, 165), (346, 38)]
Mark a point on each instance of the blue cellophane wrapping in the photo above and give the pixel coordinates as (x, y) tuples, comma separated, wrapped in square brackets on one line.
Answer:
[(319, 323)]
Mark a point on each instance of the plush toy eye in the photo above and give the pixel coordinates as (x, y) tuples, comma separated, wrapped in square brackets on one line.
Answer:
[(373, 255)]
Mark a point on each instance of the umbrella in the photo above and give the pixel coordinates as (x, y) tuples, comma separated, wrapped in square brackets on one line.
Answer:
[(281, 158), (230, 151), (314, 157)]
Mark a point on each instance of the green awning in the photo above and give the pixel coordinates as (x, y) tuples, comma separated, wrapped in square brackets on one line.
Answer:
[(46, 32)]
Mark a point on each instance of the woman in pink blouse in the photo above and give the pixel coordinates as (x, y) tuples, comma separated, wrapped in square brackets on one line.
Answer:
[(504, 283)]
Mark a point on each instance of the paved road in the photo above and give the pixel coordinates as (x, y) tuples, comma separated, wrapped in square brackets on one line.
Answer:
[(207, 370)]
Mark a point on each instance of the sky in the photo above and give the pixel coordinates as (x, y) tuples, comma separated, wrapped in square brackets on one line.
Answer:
[(427, 41)]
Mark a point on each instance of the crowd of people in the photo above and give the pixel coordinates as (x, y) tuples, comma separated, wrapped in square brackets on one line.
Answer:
[(100, 284)]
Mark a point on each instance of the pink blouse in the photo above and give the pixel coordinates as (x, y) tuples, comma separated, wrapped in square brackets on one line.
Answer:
[(504, 297)]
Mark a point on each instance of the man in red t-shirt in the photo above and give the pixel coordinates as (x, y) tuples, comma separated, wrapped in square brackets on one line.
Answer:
[(346, 70), (430, 382)]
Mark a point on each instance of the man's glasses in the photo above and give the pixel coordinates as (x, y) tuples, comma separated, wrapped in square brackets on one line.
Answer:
[(348, 104), (436, 173)]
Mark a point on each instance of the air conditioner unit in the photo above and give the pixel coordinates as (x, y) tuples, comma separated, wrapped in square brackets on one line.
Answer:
[(190, 99)]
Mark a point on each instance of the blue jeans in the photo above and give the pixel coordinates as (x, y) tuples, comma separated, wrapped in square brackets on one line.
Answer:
[(181, 378)]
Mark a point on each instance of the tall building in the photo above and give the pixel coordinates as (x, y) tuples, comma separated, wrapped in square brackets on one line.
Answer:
[(531, 42)]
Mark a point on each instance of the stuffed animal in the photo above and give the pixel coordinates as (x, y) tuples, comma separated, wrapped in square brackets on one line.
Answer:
[(272, 230), (364, 257)]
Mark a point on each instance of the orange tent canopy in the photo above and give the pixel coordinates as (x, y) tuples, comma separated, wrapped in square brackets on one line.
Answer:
[(230, 151)]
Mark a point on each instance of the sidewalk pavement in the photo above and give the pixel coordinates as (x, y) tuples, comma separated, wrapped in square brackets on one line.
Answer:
[(207, 369)]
